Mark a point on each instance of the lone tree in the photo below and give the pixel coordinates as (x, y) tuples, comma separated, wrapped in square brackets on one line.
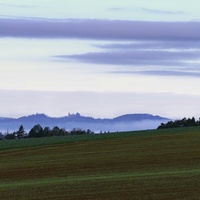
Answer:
[(36, 131), (21, 132)]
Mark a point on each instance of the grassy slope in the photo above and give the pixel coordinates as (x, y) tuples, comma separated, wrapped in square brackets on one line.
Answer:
[(162, 164)]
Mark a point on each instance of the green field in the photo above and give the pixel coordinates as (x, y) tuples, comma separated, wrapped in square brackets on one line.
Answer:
[(159, 164)]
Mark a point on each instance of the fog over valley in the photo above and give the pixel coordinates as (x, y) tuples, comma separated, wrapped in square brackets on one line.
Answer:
[(128, 122)]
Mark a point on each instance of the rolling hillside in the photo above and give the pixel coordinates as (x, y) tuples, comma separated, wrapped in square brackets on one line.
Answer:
[(156, 164)]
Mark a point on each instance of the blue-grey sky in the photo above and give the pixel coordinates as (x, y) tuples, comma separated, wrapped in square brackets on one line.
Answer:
[(100, 58)]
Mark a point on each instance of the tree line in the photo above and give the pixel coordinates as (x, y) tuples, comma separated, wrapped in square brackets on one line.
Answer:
[(185, 122), (37, 131)]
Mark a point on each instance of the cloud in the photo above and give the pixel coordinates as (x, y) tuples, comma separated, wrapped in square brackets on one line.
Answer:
[(135, 57), (166, 12), (162, 73), (151, 45), (99, 29), (160, 58), (147, 10)]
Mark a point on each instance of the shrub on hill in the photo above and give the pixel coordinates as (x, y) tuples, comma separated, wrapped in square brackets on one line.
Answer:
[(180, 123)]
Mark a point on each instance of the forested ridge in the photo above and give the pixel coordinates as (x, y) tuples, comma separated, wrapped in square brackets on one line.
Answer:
[(38, 131)]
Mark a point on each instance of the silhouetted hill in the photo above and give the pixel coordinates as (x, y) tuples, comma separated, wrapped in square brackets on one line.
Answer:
[(124, 122), (137, 117)]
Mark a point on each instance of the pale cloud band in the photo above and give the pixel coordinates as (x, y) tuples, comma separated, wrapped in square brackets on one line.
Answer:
[(158, 58), (136, 57), (163, 44), (98, 29)]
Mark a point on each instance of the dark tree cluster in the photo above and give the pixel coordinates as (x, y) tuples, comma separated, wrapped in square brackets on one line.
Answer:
[(37, 131), (180, 123)]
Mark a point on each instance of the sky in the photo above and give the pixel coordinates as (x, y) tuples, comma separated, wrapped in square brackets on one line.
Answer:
[(100, 58)]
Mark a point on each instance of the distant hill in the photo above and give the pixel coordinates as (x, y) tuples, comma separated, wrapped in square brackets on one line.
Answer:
[(137, 117), (120, 123)]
